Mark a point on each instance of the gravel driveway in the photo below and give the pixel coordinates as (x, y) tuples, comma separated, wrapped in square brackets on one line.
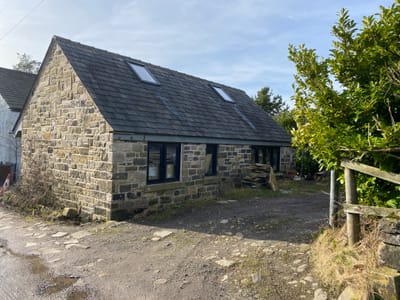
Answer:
[(247, 249)]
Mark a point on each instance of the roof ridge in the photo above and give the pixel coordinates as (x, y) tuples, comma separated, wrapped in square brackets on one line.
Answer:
[(56, 37), (19, 71), (182, 105)]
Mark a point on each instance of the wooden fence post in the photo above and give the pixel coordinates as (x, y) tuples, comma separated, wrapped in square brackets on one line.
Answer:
[(353, 220)]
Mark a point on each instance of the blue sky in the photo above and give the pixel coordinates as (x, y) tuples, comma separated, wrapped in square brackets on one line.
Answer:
[(242, 43)]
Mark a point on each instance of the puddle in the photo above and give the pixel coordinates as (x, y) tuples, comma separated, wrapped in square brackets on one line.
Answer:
[(50, 284), (54, 285), (37, 265)]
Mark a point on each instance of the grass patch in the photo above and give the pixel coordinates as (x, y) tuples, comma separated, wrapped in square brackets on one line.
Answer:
[(171, 211), (249, 193), (303, 187), (111, 227), (252, 274), (262, 276), (337, 265), (183, 239), (287, 187), (35, 219)]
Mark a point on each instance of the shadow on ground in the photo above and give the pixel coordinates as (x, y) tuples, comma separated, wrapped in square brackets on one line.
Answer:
[(285, 218)]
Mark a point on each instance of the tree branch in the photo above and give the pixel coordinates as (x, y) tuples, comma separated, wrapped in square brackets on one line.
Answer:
[(393, 149)]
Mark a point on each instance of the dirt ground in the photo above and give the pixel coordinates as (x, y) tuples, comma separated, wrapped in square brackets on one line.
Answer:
[(255, 248)]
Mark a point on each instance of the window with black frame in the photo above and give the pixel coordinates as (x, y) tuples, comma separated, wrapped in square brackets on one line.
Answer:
[(163, 162), (259, 155), (267, 155), (211, 159), (275, 157)]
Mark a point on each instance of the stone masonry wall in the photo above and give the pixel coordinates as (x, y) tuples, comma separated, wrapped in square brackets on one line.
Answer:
[(131, 193), (389, 248), (233, 160), (66, 138), (288, 159)]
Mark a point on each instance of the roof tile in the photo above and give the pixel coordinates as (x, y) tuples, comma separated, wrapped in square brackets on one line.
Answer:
[(15, 87), (180, 105)]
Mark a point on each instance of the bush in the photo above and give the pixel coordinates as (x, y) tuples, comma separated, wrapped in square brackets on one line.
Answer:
[(38, 200), (33, 193), (305, 164)]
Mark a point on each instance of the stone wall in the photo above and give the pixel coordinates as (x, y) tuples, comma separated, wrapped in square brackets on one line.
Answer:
[(389, 249), (67, 143), (233, 160), (66, 139), (288, 159), (131, 193)]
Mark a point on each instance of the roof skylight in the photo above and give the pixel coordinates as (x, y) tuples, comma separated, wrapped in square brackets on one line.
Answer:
[(223, 94), (143, 73)]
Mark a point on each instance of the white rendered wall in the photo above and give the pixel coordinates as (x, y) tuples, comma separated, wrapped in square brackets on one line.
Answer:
[(9, 145)]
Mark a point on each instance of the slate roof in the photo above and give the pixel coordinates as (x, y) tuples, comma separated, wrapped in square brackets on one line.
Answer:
[(181, 105), (15, 87)]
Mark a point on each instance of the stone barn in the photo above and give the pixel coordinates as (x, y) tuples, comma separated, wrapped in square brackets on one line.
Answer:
[(116, 135)]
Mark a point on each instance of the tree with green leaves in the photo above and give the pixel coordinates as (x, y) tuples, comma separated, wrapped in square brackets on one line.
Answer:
[(27, 64), (272, 104), (280, 112), (347, 106), (286, 119)]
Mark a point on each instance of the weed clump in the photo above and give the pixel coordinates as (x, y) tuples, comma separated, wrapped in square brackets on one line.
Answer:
[(37, 201), (338, 265), (33, 193)]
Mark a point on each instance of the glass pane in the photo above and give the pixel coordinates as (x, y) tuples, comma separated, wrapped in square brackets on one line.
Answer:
[(170, 161), (275, 159), (260, 156), (223, 94), (154, 162), (211, 160), (143, 73), (266, 156), (209, 165), (254, 156)]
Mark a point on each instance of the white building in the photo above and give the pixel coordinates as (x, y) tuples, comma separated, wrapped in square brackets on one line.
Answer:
[(14, 89)]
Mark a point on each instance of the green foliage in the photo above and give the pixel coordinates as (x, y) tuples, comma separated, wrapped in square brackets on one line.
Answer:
[(286, 120), (272, 104), (26, 64), (348, 105), (305, 163), (276, 107), (374, 191)]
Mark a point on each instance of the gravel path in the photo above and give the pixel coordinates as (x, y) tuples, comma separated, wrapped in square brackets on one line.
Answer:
[(248, 249)]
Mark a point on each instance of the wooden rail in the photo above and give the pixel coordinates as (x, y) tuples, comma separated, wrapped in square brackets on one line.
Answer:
[(372, 171), (372, 211), (352, 209)]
